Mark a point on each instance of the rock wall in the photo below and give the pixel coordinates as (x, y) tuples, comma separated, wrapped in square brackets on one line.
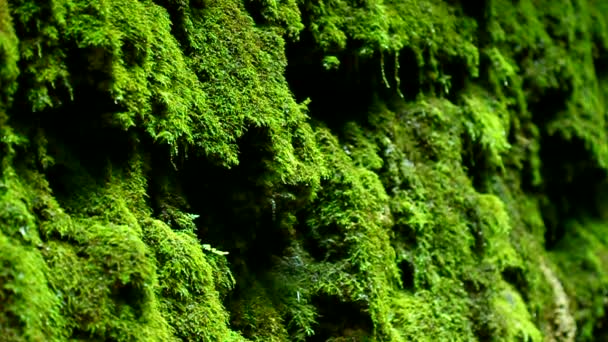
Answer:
[(310, 170)]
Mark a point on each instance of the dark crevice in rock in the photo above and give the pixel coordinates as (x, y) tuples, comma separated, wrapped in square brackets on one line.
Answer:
[(338, 319)]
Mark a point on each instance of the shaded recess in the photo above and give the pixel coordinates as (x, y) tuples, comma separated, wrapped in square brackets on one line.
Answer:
[(318, 247), (78, 136), (239, 212), (255, 10), (341, 319), (600, 64), (407, 269), (474, 8), (571, 176), (600, 331), (236, 207), (571, 185), (516, 276), (77, 144), (408, 72), (337, 95), (476, 164)]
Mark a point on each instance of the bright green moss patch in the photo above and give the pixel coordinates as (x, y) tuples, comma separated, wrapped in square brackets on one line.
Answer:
[(512, 313), (105, 270)]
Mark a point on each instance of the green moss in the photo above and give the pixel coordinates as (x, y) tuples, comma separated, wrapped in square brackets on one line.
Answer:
[(581, 261), (197, 94), (9, 55), (513, 314), (105, 270), (433, 211), (30, 306), (256, 317)]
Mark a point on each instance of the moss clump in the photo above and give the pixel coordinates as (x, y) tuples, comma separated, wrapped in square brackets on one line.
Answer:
[(105, 270)]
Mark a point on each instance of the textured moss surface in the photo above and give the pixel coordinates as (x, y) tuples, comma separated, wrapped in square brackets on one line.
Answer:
[(281, 170)]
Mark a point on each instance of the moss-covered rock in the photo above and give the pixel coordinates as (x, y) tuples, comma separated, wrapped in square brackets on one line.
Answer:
[(305, 170)]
